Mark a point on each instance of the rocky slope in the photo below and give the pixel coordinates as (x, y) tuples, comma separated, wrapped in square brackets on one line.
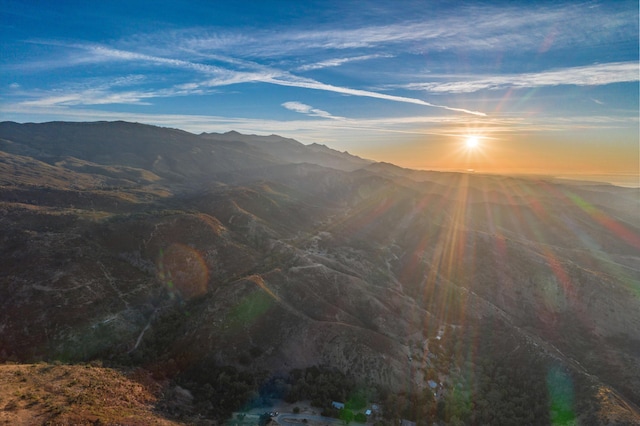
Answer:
[(158, 248)]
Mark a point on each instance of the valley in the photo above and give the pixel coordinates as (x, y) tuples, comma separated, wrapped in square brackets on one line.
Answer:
[(249, 268)]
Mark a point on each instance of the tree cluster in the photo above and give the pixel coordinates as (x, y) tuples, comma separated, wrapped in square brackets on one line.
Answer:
[(320, 385), (219, 391)]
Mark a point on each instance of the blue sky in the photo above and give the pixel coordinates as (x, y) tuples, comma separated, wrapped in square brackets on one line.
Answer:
[(548, 87)]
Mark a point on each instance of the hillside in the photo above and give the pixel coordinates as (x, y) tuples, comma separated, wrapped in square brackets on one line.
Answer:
[(78, 394), (208, 257)]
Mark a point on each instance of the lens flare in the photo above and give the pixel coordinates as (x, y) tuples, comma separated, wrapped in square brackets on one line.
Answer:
[(184, 272), (561, 396)]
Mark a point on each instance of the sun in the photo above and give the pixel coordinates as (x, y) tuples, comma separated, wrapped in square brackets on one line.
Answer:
[(471, 142)]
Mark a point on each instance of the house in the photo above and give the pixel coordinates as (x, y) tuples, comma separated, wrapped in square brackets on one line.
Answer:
[(367, 413), (432, 384), (338, 405)]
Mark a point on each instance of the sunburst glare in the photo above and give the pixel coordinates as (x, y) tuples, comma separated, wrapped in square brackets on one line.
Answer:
[(472, 142)]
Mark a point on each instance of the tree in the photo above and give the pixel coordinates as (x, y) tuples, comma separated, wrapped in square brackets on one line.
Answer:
[(360, 418), (346, 416)]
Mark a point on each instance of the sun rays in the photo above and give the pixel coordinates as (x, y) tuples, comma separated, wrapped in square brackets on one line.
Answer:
[(471, 241), (471, 143)]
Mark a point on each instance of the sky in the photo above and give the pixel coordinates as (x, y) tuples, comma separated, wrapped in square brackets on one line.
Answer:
[(543, 87)]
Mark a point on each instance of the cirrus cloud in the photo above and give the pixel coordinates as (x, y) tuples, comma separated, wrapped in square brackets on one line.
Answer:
[(309, 110), (592, 75)]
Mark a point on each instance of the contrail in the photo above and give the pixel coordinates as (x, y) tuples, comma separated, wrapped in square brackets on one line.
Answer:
[(312, 84)]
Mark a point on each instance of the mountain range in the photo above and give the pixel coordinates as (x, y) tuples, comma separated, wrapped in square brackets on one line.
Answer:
[(176, 253)]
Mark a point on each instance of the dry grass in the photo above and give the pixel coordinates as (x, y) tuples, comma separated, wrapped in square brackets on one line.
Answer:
[(77, 394), (612, 409)]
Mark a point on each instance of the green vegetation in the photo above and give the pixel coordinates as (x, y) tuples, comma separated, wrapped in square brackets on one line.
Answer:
[(492, 377), (346, 416), (360, 418), (320, 385), (219, 391)]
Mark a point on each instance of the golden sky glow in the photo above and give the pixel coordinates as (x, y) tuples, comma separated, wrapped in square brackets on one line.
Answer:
[(514, 154)]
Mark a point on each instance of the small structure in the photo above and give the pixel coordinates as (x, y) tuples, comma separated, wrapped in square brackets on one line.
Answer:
[(337, 405), (432, 384), (367, 413)]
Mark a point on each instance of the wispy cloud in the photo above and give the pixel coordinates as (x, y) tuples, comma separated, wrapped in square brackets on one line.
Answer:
[(274, 76), (474, 28), (89, 97), (104, 52), (309, 110), (339, 61), (593, 75), (225, 77), (104, 91)]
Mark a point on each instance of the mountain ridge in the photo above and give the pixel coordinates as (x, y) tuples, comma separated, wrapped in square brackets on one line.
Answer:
[(162, 150), (290, 150)]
